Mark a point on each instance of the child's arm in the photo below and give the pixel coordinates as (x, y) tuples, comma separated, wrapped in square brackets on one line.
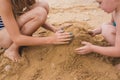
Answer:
[(108, 51), (113, 51), (21, 40)]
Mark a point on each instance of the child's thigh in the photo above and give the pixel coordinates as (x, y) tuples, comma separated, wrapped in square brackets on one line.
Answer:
[(43, 4), (37, 13)]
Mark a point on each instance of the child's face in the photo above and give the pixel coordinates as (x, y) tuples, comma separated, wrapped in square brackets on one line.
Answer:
[(108, 5)]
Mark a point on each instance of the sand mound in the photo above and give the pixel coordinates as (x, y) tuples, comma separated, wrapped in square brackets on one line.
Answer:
[(59, 62)]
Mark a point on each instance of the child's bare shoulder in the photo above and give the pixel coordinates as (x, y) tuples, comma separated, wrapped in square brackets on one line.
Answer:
[(5, 2), (5, 5)]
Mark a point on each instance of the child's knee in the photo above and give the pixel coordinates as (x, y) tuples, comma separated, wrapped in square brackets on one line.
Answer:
[(105, 26), (40, 14), (44, 5), (108, 29)]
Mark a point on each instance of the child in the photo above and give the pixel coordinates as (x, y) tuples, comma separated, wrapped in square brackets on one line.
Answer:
[(110, 31), (19, 20)]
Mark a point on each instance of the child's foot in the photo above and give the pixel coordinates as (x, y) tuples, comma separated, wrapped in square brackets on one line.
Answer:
[(12, 55)]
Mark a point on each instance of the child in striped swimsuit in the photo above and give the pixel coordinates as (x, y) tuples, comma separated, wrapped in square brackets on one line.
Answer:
[(110, 31), (1, 24), (21, 19)]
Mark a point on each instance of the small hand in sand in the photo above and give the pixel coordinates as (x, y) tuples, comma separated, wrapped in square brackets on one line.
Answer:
[(92, 33), (61, 37), (85, 49), (64, 26), (60, 31), (12, 55)]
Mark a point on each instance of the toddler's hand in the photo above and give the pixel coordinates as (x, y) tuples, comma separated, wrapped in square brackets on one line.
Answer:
[(91, 33), (67, 25), (85, 49)]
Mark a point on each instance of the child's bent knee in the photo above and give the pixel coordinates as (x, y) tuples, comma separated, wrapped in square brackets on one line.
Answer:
[(107, 27), (44, 5), (104, 27), (40, 14)]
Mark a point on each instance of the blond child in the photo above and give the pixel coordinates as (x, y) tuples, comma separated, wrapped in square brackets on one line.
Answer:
[(110, 31)]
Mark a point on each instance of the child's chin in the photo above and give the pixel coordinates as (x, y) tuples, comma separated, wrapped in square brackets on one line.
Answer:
[(108, 11)]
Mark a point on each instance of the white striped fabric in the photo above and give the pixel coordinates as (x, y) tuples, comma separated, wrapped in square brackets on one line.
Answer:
[(1, 23)]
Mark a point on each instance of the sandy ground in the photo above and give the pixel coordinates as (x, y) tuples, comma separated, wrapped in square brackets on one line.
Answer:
[(59, 62)]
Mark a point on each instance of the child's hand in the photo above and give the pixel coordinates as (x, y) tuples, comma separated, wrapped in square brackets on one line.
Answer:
[(85, 49), (61, 38), (91, 33), (65, 26), (60, 31)]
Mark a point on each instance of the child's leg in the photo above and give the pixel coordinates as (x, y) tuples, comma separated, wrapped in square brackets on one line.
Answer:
[(109, 33), (42, 4), (29, 23), (5, 40), (32, 20)]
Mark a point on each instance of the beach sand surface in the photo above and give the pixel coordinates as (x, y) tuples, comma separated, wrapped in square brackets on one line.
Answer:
[(60, 62)]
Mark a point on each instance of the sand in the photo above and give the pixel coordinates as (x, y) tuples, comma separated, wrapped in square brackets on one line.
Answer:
[(60, 62)]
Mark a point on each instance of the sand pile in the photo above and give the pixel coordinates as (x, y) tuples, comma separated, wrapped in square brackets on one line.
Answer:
[(60, 62)]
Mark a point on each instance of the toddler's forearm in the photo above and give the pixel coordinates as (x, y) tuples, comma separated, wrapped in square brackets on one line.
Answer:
[(108, 51)]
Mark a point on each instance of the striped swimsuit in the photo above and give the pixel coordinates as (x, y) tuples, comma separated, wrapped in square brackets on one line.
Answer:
[(1, 23)]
